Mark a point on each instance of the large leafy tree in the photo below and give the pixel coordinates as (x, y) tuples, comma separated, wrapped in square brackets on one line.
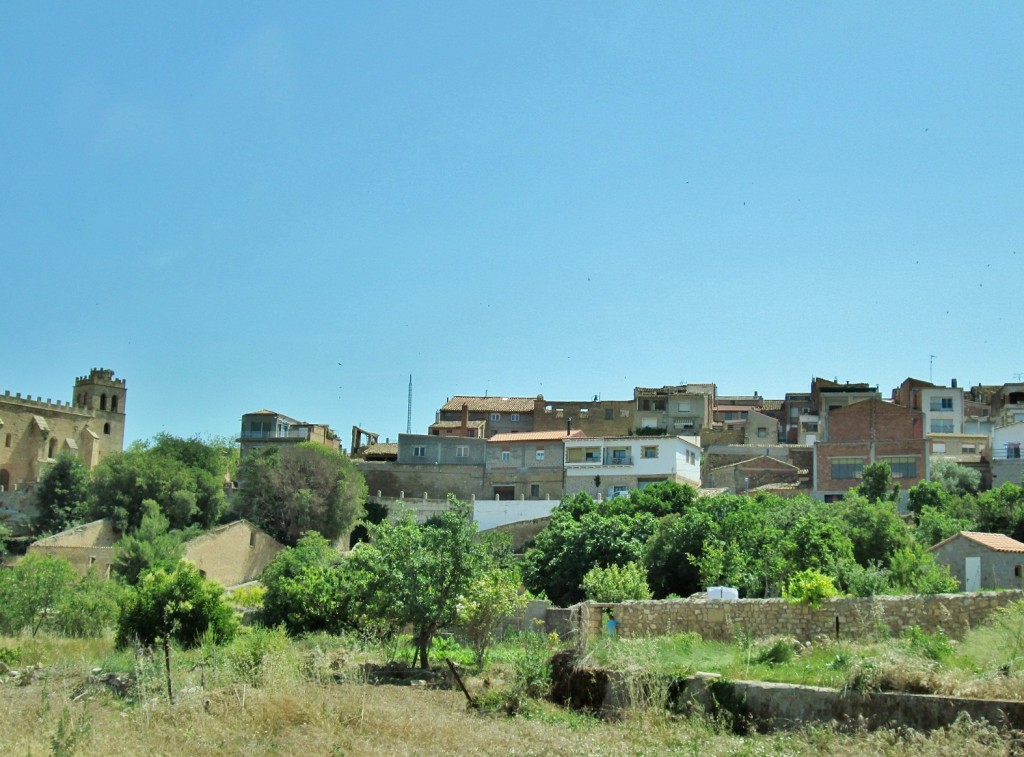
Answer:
[(307, 487), (33, 588), (62, 494), (176, 474)]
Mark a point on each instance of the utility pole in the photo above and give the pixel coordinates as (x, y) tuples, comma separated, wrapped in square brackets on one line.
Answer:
[(408, 412)]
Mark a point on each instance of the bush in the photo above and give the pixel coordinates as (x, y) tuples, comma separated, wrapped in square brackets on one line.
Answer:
[(88, 608), (810, 587), (935, 646), (180, 605), (616, 583), (779, 652)]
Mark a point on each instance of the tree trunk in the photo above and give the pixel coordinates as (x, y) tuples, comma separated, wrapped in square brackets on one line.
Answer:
[(167, 666)]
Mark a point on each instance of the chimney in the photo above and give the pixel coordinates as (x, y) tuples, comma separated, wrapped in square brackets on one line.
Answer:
[(568, 427), (465, 420), (953, 384)]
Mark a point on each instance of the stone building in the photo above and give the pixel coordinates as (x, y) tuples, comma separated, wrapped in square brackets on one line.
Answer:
[(231, 554), (982, 560), (503, 415), (33, 431)]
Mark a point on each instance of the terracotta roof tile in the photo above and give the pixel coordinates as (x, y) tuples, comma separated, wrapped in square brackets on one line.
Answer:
[(996, 542), (490, 404), (537, 436)]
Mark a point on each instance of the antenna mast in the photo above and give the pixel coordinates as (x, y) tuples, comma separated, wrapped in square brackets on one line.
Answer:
[(931, 359), (408, 414)]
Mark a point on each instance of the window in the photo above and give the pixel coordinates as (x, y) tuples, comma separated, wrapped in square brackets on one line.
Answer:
[(103, 402), (743, 415), (648, 452), (113, 404), (471, 433), (846, 467), (810, 426), (620, 491), (462, 452), (968, 449), (7, 440), (902, 467), (419, 451), (684, 406), (539, 453), (609, 414), (53, 449), (584, 412), (939, 404), (106, 428), (728, 416), (495, 416), (938, 447), (762, 432), (259, 429), (938, 426), (691, 457), (252, 538), (506, 455), (592, 454), (514, 418), (534, 490)]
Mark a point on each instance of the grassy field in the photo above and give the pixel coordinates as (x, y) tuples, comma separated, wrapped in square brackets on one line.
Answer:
[(266, 694)]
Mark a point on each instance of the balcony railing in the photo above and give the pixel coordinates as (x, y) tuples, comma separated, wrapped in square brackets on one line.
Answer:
[(620, 460)]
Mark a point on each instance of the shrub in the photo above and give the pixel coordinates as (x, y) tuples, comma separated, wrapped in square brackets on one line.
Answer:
[(810, 587), (616, 583), (180, 605), (935, 646), (778, 652)]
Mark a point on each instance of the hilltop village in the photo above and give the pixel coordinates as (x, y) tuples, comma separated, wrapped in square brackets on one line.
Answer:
[(515, 458)]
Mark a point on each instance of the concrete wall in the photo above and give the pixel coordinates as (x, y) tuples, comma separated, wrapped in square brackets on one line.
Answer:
[(998, 569), (599, 418), (522, 471), (858, 617), (87, 546)]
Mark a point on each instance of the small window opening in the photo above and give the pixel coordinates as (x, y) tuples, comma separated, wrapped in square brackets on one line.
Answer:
[(106, 428), (103, 402)]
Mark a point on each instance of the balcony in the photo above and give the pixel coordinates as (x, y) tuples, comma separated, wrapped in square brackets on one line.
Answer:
[(620, 460)]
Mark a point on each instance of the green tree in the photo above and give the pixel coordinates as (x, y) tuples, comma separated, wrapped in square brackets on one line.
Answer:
[(568, 548), (809, 586), (307, 487), (62, 494), (874, 528), (306, 590), (954, 478), (5, 534), (32, 591), (928, 494), (673, 551), (490, 599), (616, 583), (152, 545), (178, 605), (88, 609), (877, 485), (173, 473), (935, 524), (418, 572)]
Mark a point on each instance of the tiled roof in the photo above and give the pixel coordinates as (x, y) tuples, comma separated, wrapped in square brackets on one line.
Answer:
[(380, 449), (490, 404), (537, 436), (458, 424), (996, 542), (771, 404)]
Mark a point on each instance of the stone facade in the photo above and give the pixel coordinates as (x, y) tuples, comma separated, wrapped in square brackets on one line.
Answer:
[(34, 432), (232, 554), (87, 546), (857, 617), (596, 418)]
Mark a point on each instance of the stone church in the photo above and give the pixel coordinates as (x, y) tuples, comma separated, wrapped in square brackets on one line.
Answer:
[(34, 432)]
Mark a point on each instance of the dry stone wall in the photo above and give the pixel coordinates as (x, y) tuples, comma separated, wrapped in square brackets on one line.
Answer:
[(856, 617)]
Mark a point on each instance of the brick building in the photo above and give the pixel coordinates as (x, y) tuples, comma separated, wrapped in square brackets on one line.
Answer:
[(866, 432)]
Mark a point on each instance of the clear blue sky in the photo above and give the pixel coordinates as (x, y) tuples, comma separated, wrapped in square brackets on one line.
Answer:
[(296, 205)]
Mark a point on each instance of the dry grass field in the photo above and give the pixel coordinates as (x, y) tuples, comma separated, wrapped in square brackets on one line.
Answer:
[(293, 703)]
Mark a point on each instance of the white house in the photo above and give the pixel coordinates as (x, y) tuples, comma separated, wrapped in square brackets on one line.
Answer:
[(609, 466), (1006, 456)]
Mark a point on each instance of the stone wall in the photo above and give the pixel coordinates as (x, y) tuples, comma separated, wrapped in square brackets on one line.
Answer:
[(856, 617)]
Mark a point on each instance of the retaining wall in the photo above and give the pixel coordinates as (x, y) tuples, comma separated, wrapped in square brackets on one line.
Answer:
[(856, 617)]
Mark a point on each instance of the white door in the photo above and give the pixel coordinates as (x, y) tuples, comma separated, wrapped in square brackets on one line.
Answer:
[(972, 572)]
